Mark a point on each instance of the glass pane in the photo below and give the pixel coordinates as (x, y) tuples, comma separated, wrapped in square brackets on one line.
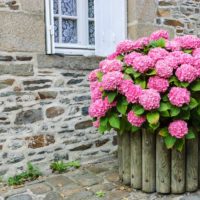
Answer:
[(55, 6), (91, 8), (69, 31), (56, 30), (68, 7), (91, 32)]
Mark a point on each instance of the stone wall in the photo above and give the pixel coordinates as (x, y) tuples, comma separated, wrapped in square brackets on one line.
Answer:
[(43, 99)]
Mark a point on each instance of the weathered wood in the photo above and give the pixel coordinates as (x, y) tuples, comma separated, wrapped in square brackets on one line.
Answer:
[(126, 172), (148, 161), (119, 141), (192, 165), (162, 166), (136, 160), (178, 171)]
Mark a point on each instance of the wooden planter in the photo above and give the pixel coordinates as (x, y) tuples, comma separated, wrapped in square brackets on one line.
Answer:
[(146, 164)]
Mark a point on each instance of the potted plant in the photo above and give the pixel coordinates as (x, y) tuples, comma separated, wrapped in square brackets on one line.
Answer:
[(148, 91)]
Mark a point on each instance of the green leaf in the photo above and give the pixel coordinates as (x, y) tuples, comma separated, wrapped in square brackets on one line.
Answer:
[(195, 86), (140, 82), (164, 106), (185, 114), (189, 51), (180, 144), (165, 98), (127, 77), (134, 129), (111, 96), (131, 71), (165, 113), (169, 141), (153, 117), (114, 121), (103, 121), (138, 110), (174, 111), (154, 126), (102, 128), (158, 43), (193, 103), (184, 84), (164, 132), (121, 107), (120, 57), (151, 72), (99, 76), (190, 135)]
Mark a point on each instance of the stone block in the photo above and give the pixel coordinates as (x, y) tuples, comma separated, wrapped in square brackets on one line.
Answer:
[(16, 69), (22, 32), (54, 112), (36, 6)]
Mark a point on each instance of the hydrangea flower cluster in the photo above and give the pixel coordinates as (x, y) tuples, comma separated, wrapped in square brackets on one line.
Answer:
[(151, 83)]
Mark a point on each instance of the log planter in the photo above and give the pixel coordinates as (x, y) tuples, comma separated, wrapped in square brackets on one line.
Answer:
[(146, 164)]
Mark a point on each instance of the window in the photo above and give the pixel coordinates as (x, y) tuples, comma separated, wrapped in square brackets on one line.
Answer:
[(84, 27)]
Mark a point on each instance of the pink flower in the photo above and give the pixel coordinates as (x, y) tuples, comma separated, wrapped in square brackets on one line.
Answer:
[(128, 59), (196, 65), (159, 34), (186, 73), (96, 93), (158, 84), (186, 58), (124, 86), (142, 63), (172, 61), (110, 65), (163, 69), (133, 93), (178, 128), (196, 52), (125, 47), (111, 80), (150, 99), (96, 124), (99, 108), (140, 43), (135, 120), (113, 56), (188, 41), (179, 96), (93, 75), (94, 85), (158, 53), (172, 45)]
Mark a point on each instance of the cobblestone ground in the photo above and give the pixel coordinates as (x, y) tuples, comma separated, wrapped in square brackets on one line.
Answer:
[(82, 184)]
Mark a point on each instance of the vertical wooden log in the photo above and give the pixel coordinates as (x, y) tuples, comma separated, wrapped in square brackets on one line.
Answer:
[(148, 161), (120, 159), (162, 166), (126, 164), (192, 165), (136, 160), (178, 171)]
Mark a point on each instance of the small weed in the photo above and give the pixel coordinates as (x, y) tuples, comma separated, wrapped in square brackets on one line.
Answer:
[(30, 174), (60, 166), (100, 194)]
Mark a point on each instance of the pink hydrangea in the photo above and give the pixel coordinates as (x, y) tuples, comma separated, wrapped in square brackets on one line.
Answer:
[(111, 80), (93, 75), (135, 120), (128, 59), (150, 99), (94, 85), (158, 84), (96, 123), (159, 34), (186, 73), (172, 61), (99, 108), (179, 96), (96, 93), (124, 86), (158, 53), (172, 45), (178, 128), (140, 43), (112, 56), (196, 52), (188, 41), (142, 63), (196, 65), (125, 47), (163, 69), (185, 58), (110, 65)]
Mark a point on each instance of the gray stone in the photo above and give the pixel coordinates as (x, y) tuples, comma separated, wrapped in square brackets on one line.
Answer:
[(83, 125), (29, 116), (15, 157), (84, 111), (24, 58), (20, 197), (47, 94), (13, 108), (80, 196), (53, 196), (54, 112), (82, 98), (6, 58), (81, 147), (74, 81), (40, 188), (16, 69), (39, 81)]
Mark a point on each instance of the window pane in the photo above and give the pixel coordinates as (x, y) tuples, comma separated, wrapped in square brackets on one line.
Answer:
[(68, 7), (56, 30), (55, 6), (91, 8), (69, 31), (91, 33)]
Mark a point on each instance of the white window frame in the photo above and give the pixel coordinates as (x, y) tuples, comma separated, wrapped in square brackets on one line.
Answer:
[(109, 30)]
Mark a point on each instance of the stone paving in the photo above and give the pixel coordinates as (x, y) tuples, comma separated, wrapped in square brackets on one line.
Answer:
[(83, 184)]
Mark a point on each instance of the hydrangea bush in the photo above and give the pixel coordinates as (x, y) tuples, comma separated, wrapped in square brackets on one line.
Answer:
[(150, 83)]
